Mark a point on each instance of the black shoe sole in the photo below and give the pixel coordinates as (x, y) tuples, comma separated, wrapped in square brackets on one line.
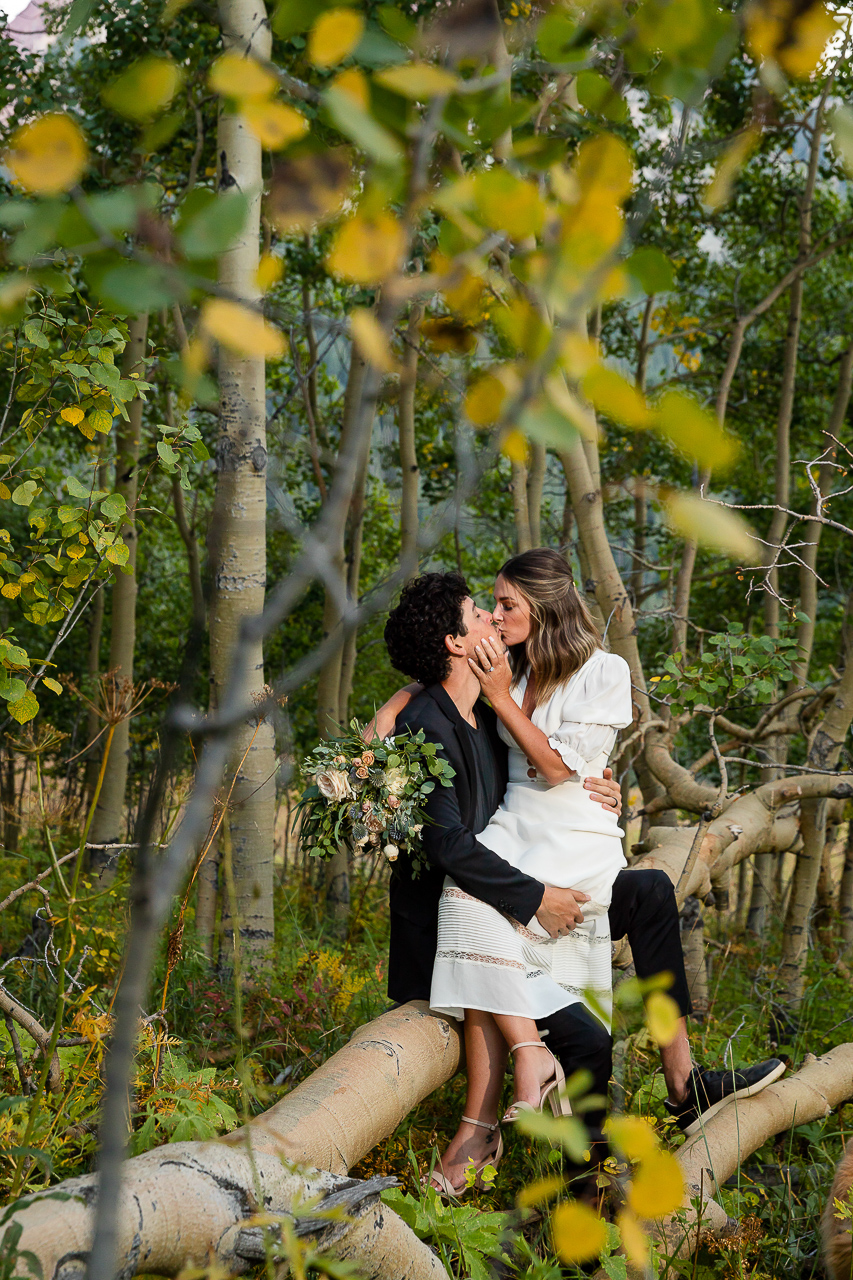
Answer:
[(748, 1092)]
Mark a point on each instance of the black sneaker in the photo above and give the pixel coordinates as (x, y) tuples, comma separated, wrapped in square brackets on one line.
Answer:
[(709, 1091)]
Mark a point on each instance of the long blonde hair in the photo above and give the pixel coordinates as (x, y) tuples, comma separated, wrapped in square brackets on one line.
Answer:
[(562, 632)]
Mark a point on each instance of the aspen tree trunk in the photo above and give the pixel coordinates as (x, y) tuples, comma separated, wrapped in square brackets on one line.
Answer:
[(93, 671), (518, 484), (409, 470), (824, 751), (239, 525), (845, 895), (107, 824), (535, 487), (186, 1202)]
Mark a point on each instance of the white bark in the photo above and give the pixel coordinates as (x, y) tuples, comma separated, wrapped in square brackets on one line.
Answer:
[(239, 528), (186, 1201)]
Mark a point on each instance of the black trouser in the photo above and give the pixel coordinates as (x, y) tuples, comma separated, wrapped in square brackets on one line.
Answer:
[(644, 909)]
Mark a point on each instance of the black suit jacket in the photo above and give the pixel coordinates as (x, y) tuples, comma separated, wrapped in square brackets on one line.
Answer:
[(451, 848)]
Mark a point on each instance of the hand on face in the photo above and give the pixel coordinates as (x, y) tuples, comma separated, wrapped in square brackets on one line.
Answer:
[(490, 665)]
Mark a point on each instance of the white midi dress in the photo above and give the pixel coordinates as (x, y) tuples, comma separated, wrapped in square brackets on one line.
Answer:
[(558, 835)]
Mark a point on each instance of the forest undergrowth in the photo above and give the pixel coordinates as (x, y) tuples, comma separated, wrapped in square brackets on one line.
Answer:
[(207, 1061)]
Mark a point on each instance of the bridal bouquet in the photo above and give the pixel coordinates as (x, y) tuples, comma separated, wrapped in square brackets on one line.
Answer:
[(369, 796)]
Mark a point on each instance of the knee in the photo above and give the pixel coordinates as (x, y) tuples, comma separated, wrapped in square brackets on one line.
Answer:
[(658, 891)]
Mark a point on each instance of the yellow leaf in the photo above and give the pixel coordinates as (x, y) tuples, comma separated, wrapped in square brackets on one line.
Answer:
[(73, 414), (75, 552), (334, 35), (5, 491), (464, 295), (24, 708), (86, 428), (145, 89), (354, 84), (695, 431), (539, 1191), (367, 250), (614, 396), (484, 400), (269, 272), (371, 341), (719, 190), (711, 526), (578, 354), (100, 420), (53, 685), (274, 124), (242, 331), (605, 163), (811, 33), (419, 81), (514, 445), (10, 590), (632, 1135), (635, 1242), (48, 155), (508, 203), (662, 1018), (657, 1187), (579, 1233), (236, 76)]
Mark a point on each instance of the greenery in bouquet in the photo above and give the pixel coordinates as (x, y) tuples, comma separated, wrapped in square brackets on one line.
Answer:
[(369, 796)]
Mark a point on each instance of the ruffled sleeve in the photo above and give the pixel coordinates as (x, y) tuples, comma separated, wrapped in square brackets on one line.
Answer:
[(595, 707)]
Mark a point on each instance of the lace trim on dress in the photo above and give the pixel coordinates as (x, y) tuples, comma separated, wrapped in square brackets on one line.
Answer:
[(479, 958)]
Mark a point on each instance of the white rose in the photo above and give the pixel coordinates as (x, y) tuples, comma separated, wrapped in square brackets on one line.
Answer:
[(334, 784), (395, 781), (391, 852)]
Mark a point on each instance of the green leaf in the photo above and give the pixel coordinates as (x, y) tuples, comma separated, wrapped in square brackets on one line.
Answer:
[(209, 224), (596, 93), (24, 494), (361, 128), (76, 489), (24, 708), (12, 689), (556, 37), (113, 507), (652, 269), (33, 334), (167, 454)]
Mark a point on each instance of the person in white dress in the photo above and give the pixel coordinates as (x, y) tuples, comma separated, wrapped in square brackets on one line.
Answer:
[(560, 699)]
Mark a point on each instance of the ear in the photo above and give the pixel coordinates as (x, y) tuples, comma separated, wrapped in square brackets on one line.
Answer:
[(454, 646)]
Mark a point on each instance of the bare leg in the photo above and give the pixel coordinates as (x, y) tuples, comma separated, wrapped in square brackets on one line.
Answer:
[(676, 1063), (485, 1057), (531, 1066)]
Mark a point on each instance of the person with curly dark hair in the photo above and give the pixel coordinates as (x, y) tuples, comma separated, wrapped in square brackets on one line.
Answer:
[(430, 608), (438, 633)]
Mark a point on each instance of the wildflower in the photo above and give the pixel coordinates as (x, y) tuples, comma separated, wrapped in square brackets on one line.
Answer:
[(391, 852)]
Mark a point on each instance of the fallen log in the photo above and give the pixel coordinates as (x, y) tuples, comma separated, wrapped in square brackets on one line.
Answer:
[(187, 1202), (710, 1158)]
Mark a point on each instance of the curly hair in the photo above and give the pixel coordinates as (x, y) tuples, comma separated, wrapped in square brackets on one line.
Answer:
[(430, 608)]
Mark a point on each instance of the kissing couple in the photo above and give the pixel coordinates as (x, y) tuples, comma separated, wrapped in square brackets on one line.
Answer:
[(509, 927)]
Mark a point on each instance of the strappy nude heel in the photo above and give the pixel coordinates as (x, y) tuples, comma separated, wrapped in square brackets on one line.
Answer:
[(445, 1187), (551, 1090)]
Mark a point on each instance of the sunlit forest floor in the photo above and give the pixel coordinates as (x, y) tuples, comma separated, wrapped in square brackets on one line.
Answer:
[(207, 1061)]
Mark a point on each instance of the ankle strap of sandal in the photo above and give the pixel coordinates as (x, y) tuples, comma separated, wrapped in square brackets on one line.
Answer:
[(481, 1124), (527, 1044)]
